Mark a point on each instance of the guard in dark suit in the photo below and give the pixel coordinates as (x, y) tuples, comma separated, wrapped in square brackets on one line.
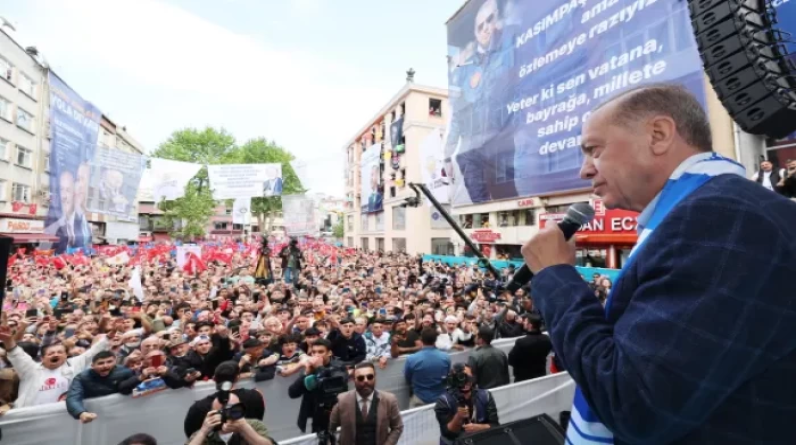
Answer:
[(528, 357)]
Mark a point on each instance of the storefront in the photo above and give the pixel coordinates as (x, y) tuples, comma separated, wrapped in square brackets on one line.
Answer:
[(27, 233), (606, 241)]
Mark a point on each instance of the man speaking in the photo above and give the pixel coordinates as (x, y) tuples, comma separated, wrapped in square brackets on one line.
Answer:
[(697, 342)]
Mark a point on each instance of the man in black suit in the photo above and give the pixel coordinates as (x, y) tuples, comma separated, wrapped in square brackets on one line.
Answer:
[(528, 357)]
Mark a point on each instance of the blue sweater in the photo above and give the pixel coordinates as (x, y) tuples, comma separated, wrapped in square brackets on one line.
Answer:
[(699, 345)]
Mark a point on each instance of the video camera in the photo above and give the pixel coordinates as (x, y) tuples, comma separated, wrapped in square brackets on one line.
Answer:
[(228, 412), (331, 381), (457, 380)]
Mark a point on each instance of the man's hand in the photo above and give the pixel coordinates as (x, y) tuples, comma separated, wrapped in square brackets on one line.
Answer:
[(148, 372), (7, 337), (162, 370), (548, 248), (475, 427), (382, 362), (463, 413), (245, 360), (212, 420), (192, 377), (87, 417), (268, 361), (235, 426)]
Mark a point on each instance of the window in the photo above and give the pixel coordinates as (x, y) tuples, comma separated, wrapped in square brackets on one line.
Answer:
[(441, 246), (509, 219), (380, 222), (434, 107), (399, 218), (237, 227), (480, 220), (6, 69), (2, 190), (27, 85), (21, 192), (47, 162), (364, 223), (24, 157), (350, 223), (529, 217), (350, 241), (220, 226), (24, 120), (227, 211), (365, 244), (5, 109), (399, 245), (5, 147)]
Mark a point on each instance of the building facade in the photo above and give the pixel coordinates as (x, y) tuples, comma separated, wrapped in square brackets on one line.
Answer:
[(25, 151), (398, 130)]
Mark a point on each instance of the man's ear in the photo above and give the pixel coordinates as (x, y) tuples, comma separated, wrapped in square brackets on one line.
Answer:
[(663, 132)]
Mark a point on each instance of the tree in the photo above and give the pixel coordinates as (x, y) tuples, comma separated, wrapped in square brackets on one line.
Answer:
[(262, 151), (208, 146), (338, 231)]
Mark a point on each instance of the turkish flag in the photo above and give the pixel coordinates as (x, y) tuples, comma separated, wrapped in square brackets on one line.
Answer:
[(32, 209), (16, 206), (194, 264), (58, 262)]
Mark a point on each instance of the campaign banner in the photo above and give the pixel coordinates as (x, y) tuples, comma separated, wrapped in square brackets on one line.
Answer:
[(230, 181), (241, 211), (299, 215), (370, 180), (433, 172), (523, 77), (115, 176), (74, 125), (169, 178)]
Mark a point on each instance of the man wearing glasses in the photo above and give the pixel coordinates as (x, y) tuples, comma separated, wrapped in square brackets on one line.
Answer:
[(367, 416)]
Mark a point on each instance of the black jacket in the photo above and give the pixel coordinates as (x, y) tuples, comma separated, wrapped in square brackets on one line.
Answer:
[(309, 400), (350, 351), (528, 357), (252, 400), (285, 255), (220, 352), (88, 385)]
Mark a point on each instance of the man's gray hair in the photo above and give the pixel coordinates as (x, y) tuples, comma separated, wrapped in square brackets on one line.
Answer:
[(669, 100)]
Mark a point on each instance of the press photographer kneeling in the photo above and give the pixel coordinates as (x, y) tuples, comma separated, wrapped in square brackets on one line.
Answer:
[(464, 409), (319, 383), (227, 423)]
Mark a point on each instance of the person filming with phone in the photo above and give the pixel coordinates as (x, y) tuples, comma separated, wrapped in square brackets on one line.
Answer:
[(227, 424), (464, 408)]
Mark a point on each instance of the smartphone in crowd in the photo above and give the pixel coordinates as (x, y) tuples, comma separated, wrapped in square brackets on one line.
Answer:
[(157, 361), (30, 313)]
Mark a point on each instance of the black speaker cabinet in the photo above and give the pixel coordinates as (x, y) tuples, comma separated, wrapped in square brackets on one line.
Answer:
[(539, 430), (745, 60)]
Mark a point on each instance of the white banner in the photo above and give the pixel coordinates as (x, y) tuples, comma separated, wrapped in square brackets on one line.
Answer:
[(168, 178), (232, 181), (299, 215), (182, 252), (241, 211), (301, 170), (434, 175), (370, 180)]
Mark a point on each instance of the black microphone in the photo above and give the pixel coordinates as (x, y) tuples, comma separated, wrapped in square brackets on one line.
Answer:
[(577, 215)]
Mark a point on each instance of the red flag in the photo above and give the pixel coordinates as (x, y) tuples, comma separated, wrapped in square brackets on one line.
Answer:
[(21, 251), (11, 260), (194, 264), (58, 262), (32, 209), (16, 206)]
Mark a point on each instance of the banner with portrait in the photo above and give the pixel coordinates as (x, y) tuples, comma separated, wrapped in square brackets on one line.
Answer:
[(523, 77), (432, 167), (231, 181), (169, 178), (370, 180), (74, 126), (115, 178), (298, 212)]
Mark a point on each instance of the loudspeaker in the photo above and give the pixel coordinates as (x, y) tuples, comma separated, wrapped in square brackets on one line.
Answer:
[(539, 430), (747, 63)]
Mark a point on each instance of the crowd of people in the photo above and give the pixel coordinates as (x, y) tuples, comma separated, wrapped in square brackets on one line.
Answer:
[(76, 328)]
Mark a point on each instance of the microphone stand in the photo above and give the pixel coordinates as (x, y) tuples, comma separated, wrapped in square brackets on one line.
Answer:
[(415, 202)]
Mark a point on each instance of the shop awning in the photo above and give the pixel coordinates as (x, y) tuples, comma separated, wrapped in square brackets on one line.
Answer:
[(24, 238), (623, 239)]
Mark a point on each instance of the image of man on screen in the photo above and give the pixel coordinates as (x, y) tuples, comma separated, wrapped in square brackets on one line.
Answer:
[(375, 200), (480, 123), (72, 228)]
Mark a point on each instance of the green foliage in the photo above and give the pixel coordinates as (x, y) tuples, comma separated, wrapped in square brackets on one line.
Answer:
[(211, 146), (338, 231)]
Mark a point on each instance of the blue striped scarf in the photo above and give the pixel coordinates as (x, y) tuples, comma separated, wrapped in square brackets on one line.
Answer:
[(584, 426)]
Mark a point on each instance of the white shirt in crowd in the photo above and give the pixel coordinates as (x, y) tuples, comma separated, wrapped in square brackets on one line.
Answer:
[(53, 386), (377, 346), (445, 341), (767, 178)]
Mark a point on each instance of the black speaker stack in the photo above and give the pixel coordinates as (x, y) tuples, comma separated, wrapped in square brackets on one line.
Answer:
[(747, 62), (539, 430)]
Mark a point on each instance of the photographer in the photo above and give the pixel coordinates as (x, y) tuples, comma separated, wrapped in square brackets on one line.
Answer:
[(319, 384), (227, 424), (787, 185), (464, 409)]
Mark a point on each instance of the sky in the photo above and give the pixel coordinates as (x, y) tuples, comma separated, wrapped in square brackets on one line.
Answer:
[(307, 74)]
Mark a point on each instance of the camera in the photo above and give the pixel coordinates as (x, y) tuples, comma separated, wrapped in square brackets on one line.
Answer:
[(228, 412), (331, 382)]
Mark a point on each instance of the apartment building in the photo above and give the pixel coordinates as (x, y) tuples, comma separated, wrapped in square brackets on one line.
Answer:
[(396, 131), (25, 150)]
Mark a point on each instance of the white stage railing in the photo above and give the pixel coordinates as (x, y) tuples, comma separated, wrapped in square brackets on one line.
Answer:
[(162, 414)]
